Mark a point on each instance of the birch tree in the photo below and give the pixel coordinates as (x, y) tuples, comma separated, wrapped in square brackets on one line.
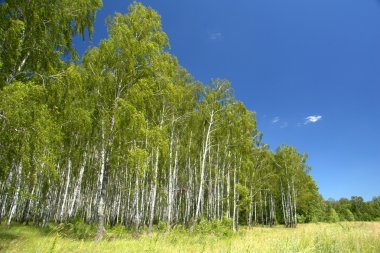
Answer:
[(36, 34), (127, 136)]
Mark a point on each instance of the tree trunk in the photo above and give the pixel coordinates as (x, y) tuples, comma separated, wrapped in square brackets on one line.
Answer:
[(16, 195), (154, 192), (295, 205), (26, 214), (228, 192), (66, 190), (77, 187), (206, 148), (170, 181), (5, 198), (137, 215), (101, 191), (235, 195)]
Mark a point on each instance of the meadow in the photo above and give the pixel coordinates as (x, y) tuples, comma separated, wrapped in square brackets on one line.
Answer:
[(321, 237)]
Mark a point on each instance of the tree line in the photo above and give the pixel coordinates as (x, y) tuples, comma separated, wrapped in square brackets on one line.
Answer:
[(353, 209), (125, 135)]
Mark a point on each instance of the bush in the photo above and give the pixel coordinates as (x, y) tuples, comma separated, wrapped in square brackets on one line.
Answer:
[(77, 230), (117, 231), (162, 226), (332, 216), (301, 218), (217, 227), (348, 215)]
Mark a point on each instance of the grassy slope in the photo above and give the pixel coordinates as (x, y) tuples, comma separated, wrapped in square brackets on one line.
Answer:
[(339, 237)]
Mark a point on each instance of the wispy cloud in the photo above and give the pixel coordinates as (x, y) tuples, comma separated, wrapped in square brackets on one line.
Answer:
[(312, 119), (279, 123), (216, 36), (275, 120)]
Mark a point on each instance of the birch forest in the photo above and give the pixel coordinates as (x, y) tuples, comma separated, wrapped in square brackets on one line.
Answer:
[(126, 136)]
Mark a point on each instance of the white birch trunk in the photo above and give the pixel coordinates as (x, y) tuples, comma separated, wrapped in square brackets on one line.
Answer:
[(228, 192), (4, 201), (65, 192), (16, 196), (137, 216), (78, 187), (154, 192), (170, 183), (234, 219), (100, 230), (206, 148)]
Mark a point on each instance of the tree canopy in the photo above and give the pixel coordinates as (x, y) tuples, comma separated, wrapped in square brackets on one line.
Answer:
[(127, 136)]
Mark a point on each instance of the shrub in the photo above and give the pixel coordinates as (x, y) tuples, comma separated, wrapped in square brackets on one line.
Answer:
[(332, 216), (162, 226), (217, 227), (301, 218), (117, 231), (77, 230)]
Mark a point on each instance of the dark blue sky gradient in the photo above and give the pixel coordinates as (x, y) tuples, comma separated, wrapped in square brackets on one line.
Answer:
[(290, 59)]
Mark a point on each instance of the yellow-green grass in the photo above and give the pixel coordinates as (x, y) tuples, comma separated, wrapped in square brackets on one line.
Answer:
[(337, 237)]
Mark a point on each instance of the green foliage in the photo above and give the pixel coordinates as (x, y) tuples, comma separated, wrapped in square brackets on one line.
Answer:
[(301, 218), (347, 215), (217, 227), (78, 230), (35, 34), (244, 197), (356, 208), (129, 128), (339, 237), (332, 216), (28, 129), (117, 231), (162, 226)]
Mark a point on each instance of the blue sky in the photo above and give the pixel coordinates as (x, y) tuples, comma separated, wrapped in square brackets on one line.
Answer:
[(288, 60)]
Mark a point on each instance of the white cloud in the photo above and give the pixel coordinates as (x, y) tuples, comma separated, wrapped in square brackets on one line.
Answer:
[(312, 119), (275, 120), (216, 36), (280, 123)]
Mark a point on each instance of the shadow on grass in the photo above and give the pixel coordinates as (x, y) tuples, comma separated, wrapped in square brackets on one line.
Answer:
[(16, 231), (4, 236), (75, 231)]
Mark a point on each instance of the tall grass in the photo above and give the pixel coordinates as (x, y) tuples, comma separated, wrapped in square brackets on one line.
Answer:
[(337, 237)]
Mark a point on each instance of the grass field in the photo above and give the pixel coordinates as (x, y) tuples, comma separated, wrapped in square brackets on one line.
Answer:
[(338, 237)]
